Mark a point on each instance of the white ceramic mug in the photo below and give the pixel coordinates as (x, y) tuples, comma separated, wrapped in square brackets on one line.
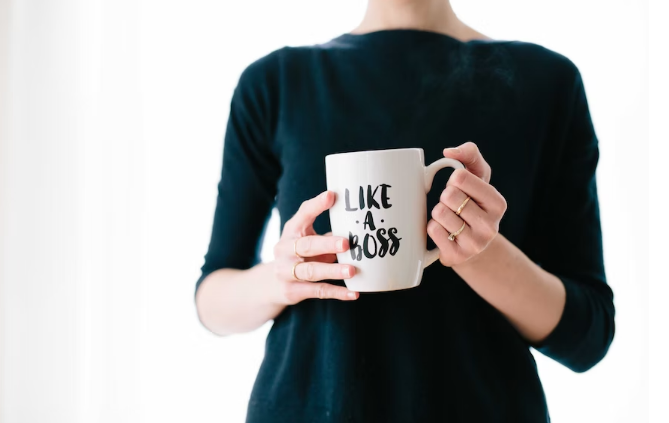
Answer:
[(381, 207)]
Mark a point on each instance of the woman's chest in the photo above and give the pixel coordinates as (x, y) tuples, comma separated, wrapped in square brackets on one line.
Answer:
[(510, 147)]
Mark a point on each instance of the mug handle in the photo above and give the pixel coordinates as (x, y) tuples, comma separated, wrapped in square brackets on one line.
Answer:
[(432, 255)]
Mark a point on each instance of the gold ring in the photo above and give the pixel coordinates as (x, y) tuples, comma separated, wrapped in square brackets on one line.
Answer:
[(294, 274), (295, 249), (452, 236), (462, 206)]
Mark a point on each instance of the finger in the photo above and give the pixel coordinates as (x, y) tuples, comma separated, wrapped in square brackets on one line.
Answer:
[(484, 194), (450, 252), (324, 258), (483, 226), (467, 239), (315, 245), (305, 290), (309, 211), (310, 246), (471, 213), (314, 271), (470, 156), (447, 218)]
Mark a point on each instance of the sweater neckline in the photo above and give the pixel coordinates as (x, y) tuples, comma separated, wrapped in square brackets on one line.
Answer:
[(400, 33), (407, 36)]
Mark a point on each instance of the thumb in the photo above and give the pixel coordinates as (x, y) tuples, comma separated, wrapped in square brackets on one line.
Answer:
[(470, 156)]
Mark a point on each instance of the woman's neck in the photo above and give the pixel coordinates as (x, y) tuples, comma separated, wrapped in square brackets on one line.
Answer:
[(426, 15)]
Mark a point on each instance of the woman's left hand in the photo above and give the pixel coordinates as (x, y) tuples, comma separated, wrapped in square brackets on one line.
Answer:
[(481, 214)]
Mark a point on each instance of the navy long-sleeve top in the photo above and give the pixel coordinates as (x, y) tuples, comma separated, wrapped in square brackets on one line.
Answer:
[(438, 352)]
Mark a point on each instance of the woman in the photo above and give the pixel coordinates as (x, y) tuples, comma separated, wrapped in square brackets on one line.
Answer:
[(456, 348)]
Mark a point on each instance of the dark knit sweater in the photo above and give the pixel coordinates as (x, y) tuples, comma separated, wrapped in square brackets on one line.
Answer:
[(438, 352)]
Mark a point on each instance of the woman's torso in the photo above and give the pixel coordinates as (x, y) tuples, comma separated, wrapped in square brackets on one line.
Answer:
[(437, 352)]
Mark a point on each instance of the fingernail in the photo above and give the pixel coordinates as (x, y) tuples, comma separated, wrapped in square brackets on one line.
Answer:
[(453, 150), (340, 245), (346, 272), (351, 295)]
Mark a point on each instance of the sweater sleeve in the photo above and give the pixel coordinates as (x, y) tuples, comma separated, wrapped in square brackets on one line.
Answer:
[(566, 239), (250, 171)]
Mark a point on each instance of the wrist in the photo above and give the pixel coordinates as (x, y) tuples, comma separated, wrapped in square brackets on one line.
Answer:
[(270, 285)]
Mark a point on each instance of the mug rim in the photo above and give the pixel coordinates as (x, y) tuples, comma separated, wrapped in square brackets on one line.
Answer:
[(382, 150)]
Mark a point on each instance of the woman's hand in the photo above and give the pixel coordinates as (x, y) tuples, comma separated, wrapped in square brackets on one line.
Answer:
[(482, 212), (309, 257)]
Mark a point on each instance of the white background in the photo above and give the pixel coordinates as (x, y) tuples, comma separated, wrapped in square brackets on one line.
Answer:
[(111, 119)]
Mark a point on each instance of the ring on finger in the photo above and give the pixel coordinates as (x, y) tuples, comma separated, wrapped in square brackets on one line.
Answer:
[(295, 249), (462, 206), (454, 235), (294, 273)]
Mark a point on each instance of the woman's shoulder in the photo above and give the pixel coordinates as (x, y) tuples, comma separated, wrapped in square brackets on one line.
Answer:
[(261, 69), (542, 71), (540, 53), (268, 68), (534, 58)]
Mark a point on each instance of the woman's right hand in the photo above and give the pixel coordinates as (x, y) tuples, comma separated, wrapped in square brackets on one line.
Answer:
[(310, 257)]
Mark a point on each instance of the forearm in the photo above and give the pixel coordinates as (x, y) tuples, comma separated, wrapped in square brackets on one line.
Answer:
[(530, 298), (234, 301)]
